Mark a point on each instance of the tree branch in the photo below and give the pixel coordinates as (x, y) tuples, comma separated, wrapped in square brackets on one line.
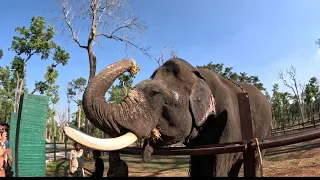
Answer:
[(283, 78), (144, 50), (66, 12)]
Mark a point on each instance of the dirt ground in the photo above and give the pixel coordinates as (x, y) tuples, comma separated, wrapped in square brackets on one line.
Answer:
[(294, 162)]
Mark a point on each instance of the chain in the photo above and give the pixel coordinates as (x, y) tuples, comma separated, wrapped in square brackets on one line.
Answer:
[(235, 83)]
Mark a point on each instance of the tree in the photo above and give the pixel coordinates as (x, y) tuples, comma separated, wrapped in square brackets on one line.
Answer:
[(120, 91), (173, 54), (294, 87), (7, 83), (60, 57), (76, 87), (53, 93), (229, 74), (276, 103), (311, 92), (62, 120), (37, 40), (108, 19), (1, 53)]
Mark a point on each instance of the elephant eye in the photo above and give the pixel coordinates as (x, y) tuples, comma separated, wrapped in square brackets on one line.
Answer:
[(154, 93)]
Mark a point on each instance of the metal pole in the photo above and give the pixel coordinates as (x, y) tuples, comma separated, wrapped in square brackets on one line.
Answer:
[(65, 147), (249, 160), (54, 149)]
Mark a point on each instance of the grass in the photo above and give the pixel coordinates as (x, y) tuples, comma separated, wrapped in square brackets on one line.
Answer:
[(297, 163)]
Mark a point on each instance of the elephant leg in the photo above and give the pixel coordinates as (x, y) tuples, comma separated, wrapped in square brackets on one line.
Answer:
[(202, 166), (235, 169)]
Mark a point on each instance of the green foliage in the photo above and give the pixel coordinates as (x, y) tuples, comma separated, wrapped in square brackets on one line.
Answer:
[(36, 40), (17, 65), (119, 92), (1, 53), (7, 84), (228, 73), (76, 86), (285, 106), (75, 116)]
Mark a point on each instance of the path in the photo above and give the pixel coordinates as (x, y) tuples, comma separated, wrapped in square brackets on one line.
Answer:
[(59, 155)]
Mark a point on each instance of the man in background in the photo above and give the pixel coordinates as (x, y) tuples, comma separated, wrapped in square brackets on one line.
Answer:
[(99, 165)]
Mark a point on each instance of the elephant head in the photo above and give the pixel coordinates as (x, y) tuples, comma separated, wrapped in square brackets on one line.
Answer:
[(167, 108)]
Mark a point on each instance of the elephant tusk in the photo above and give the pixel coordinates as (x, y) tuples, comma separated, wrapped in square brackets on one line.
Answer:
[(110, 144)]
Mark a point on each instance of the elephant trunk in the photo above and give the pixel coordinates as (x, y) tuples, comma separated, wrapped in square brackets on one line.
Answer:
[(128, 117)]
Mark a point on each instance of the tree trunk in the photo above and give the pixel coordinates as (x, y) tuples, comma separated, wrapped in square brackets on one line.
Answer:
[(79, 116), (15, 109)]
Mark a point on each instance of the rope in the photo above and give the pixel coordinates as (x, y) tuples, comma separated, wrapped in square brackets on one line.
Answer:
[(260, 156)]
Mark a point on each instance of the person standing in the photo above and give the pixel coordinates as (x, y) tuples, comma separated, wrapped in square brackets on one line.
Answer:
[(76, 161), (99, 165), (117, 167)]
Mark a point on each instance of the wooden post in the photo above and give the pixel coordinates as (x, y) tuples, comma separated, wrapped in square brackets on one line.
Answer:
[(249, 160)]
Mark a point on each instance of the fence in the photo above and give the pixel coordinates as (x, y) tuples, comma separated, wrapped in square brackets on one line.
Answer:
[(55, 149), (287, 128)]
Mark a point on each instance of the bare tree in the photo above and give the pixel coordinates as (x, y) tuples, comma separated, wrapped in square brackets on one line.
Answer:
[(62, 119), (294, 87), (173, 54), (109, 19)]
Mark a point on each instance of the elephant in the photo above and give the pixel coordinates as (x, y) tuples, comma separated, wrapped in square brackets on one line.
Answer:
[(178, 103)]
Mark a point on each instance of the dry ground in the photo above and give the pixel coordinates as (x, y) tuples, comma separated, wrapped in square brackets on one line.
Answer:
[(299, 163)]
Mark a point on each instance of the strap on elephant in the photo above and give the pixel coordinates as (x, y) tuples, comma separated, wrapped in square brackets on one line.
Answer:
[(236, 83)]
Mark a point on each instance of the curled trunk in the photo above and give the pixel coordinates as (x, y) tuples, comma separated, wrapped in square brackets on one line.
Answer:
[(116, 119)]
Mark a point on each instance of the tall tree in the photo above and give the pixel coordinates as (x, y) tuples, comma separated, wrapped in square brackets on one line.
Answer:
[(109, 19), (1, 53), (62, 119), (227, 72), (294, 87), (53, 93), (7, 83), (311, 92), (35, 40), (162, 59), (76, 87)]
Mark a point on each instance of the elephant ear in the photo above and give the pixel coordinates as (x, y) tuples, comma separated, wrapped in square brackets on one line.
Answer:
[(202, 103)]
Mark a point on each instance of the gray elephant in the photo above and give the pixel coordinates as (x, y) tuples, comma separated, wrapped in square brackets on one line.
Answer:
[(178, 103)]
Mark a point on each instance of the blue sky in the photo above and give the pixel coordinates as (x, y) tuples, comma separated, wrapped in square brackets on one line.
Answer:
[(257, 37)]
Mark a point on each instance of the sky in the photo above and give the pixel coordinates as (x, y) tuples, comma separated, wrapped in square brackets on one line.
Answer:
[(257, 37)]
